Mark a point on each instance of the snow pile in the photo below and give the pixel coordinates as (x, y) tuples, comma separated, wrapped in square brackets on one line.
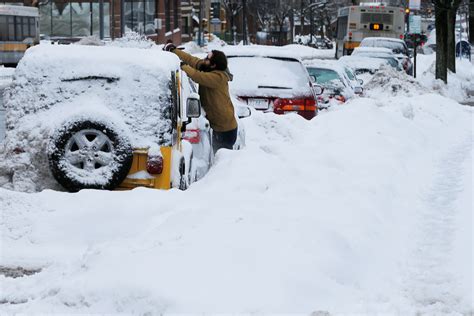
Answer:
[(124, 88), (460, 84), (192, 48), (394, 82), (321, 215), (133, 40), (91, 41)]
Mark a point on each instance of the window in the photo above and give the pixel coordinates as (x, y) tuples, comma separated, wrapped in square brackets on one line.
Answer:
[(11, 28), (175, 11), (140, 16), (66, 18), (168, 15), (3, 28)]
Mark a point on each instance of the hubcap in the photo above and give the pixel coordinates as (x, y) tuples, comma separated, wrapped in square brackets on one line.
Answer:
[(89, 150)]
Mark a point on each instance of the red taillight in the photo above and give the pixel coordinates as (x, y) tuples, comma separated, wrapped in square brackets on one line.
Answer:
[(192, 135), (340, 98), (286, 105), (154, 165)]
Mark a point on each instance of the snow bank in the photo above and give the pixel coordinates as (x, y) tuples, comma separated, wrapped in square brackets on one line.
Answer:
[(387, 80), (459, 84), (311, 216)]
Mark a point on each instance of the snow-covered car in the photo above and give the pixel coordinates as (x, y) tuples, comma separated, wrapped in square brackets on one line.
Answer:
[(103, 118), (331, 76), (357, 84), (365, 64), (270, 79), (397, 46)]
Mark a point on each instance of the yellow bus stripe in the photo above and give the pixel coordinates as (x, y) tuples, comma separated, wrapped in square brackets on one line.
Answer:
[(13, 47)]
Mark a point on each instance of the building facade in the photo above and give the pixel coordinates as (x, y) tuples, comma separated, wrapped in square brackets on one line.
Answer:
[(70, 20)]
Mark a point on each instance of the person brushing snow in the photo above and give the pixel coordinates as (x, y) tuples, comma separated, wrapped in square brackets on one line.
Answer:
[(213, 78)]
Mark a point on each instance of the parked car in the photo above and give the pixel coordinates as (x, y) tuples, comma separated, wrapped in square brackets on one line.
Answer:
[(323, 42), (357, 84), (337, 87), (397, 46), (106, 118), (269, 79)]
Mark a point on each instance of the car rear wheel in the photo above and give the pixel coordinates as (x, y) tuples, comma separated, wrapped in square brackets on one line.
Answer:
[(89, 155)]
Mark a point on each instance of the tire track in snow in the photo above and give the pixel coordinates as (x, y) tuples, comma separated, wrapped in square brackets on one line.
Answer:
[(431, 285)]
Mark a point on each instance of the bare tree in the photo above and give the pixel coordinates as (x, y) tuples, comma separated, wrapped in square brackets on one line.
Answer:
[(445, 19)]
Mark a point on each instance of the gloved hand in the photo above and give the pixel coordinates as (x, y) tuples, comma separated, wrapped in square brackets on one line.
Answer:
[(169, 47)]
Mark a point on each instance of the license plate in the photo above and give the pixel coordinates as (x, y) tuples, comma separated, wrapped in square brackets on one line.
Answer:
[(259, 104)]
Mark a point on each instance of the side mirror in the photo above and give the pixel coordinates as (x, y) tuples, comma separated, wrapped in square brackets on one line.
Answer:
[(313, 78), (318, 90), (243, 112), (360, 81), (193, 106), (358, 90)]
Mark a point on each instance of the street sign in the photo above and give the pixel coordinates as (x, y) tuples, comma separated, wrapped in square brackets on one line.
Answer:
[(415, 24), (414, 4), (215, 21)]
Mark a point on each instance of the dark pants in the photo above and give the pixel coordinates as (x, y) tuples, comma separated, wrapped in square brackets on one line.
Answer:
[(224, 139)]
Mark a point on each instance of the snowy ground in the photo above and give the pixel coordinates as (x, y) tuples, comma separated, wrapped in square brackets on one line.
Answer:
[(366, 209)]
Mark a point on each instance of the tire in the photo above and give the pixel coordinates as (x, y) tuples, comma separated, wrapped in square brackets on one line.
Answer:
[(89, 155)]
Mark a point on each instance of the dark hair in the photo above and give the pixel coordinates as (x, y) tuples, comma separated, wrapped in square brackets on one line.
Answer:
[(218, 58)]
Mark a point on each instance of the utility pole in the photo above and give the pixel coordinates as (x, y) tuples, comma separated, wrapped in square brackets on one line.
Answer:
[(311, 21), (244, 21), (200, 24), (302, 17), (471, 22)]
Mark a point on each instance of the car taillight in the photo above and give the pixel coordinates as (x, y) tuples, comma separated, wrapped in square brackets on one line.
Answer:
[(340, 98), (295, 105), (154, 165), (192, 135)]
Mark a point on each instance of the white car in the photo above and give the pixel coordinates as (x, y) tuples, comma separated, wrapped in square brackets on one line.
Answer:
[(332, 77), (397, 46)]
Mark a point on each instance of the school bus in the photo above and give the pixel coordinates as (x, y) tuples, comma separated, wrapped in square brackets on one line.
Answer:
[(19, 30), (354, 23)]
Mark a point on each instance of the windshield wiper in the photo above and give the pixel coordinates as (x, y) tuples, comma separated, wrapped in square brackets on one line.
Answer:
[(108, 79), (274, 87)]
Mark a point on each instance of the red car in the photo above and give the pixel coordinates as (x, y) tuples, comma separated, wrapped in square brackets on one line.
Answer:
[(270, 80)]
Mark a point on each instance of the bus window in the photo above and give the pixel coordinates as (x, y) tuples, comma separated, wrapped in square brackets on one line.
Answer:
[(11, 28), (3, 28), (18, 32), (32, 23)]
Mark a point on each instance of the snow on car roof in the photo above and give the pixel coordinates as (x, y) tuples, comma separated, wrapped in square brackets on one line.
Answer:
[(390, 39), (80, 60), (362, 62), (260, 51), (371, 50)]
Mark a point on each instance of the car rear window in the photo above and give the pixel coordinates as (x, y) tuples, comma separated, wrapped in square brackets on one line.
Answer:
[(253, 73)]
